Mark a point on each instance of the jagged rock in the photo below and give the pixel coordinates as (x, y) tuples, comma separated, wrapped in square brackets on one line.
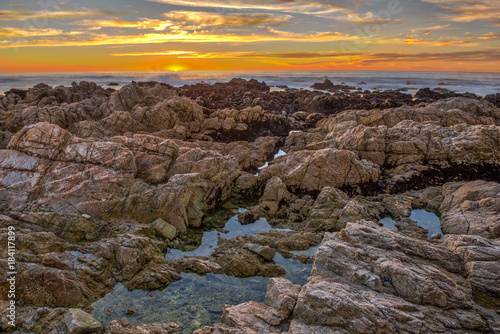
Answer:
[(493, 98), (415, 143), (282, 295), (413, 286), (327, 84), (80, 322), (222, 329), (266, 252), (436, 236), (122, 326), (313, 170), (152, 276), (258, 317), (284, 241), (164, 229), (244, 263), (259, 123), (84, 171), (481, 257), (471, 208), (105, 173)]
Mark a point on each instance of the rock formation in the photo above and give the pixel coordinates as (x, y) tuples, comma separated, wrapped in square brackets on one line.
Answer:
[(100, 184)]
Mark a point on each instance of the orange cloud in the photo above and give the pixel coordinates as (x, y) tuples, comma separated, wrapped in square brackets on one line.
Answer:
[(17, 32), (116, 22), (15, 15), (488, 36), (164, 53), (183, 36), (232, 20), (185, 20), (316, 8), (468, 11), (430, 28)]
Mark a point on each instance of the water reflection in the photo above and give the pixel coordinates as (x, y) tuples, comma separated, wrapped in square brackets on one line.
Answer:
[(425, 219), (232, 229), (279, 154), (194, 301)]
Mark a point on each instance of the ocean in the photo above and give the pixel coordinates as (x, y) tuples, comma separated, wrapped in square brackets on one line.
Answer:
[(460, 82)]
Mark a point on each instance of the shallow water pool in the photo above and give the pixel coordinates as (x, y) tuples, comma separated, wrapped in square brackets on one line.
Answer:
[(279, 154), (194, 301), (210, 238), (428, 220), (425, 219)]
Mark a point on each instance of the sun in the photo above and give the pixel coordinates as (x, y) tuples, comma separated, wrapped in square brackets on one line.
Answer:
[(174, 68)]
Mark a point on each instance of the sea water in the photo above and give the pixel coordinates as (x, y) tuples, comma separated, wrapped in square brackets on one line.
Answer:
[(478, 83)]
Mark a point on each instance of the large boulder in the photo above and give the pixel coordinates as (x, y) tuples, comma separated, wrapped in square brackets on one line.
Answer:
[(368, 279), (471, 208), (80, 322), (312, 170)]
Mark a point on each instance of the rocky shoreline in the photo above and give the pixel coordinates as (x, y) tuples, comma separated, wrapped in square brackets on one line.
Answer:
[(100, 184)]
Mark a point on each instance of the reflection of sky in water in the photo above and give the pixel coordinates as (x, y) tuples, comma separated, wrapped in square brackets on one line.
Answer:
[(309, 252), (77, 253), (210, 239), (194, 301), (425, 219), (263, 166), (197, 301), (279, 154), (389, 223)]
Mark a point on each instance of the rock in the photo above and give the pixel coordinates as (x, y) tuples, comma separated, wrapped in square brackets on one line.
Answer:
[(415, 280), (266, 252), (327, 84), (471, 208), (275, 191), (255, 316), (87, 169), (80, 322), (494, 99), (235, 259), (441, 90), (312, 170), (122, 326), (298, 327), (150, 276), (282, 295), (20, 92), (436, 236), (481, 257), (164, 229), (427, 94), (130, 311)]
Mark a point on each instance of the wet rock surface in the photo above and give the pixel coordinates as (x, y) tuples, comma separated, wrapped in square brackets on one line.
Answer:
[(101, 184)]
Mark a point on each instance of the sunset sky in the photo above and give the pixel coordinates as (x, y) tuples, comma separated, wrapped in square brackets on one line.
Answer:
[(177, 35)]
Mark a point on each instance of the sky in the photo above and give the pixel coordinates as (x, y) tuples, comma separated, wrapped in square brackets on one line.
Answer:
[(181, 35)]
